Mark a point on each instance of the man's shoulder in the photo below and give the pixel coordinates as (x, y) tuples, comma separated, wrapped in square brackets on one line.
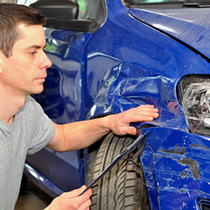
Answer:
[(30, 99), (31, 106)]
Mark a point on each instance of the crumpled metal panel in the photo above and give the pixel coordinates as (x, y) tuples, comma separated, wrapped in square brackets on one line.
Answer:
[(122, 91), (177, 168), (138, 65)]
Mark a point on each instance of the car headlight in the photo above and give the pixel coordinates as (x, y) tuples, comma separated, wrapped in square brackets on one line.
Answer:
[(194, 95)]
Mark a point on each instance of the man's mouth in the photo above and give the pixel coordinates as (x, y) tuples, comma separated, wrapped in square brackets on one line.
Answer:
[(41, 78)]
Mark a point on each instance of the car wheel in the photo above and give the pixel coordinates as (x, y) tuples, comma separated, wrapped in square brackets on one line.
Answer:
[(123, 187)]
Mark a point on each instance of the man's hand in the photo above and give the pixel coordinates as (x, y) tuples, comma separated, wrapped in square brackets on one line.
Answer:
[(78, 135), (120, 123), (72, 201)]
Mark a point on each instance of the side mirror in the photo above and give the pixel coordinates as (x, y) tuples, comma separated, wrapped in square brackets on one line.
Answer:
[(63, 14), (57, 9)]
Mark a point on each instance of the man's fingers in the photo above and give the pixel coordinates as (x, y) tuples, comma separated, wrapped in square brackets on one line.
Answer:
[(85, 199), (79, 202), (120, 123), (131, 130), (85, 205), (142, 113)]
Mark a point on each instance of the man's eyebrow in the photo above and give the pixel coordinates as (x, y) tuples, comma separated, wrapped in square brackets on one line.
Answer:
[(36, 47)]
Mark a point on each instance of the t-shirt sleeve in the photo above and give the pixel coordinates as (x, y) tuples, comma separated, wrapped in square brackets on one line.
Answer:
[(43, 128)]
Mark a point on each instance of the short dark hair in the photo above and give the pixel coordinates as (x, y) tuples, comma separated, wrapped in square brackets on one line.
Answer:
[(11, 15)]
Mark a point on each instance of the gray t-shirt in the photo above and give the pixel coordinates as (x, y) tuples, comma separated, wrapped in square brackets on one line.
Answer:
[(30, 131)]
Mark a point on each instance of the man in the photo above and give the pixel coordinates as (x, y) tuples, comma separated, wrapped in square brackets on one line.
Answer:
[(24, 128)]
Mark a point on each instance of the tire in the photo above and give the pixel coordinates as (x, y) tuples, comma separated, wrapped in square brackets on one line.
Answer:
[(123, 187)]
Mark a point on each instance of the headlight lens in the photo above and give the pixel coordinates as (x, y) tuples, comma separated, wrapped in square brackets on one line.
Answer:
[(194, 95)]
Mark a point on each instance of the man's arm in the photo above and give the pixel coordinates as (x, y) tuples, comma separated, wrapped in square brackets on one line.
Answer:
[(78, 135)]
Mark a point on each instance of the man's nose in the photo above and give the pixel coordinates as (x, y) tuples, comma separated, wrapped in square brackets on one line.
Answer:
[(46, 62)]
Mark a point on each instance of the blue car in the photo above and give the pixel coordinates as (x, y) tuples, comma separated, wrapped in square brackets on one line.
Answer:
[(109, 56)]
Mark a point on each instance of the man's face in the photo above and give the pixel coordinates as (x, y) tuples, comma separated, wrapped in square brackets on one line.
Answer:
[(24, 72)]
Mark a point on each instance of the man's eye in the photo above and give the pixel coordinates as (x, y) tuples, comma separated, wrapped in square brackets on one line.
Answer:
[(33, 53)]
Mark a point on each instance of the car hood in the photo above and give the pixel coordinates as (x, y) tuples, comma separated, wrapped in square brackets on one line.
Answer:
[(189, 26)]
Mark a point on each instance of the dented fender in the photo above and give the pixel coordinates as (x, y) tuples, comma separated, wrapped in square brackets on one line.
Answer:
[(176, 166)]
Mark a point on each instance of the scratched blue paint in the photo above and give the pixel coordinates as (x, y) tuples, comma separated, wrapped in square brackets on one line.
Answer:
[(138, 56), (174, 183)]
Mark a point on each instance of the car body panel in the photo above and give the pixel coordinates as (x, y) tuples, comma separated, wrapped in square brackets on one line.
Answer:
[(137, 56), (191, 26), (176, 167), (144, 68)]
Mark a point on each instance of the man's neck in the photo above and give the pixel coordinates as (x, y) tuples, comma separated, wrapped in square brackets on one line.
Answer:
[(9, 107)]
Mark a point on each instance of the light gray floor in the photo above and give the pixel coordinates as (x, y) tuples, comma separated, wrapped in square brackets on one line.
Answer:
[(32, 199)]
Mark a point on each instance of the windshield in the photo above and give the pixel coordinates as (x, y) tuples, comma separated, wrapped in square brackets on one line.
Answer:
[(171, 3)]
